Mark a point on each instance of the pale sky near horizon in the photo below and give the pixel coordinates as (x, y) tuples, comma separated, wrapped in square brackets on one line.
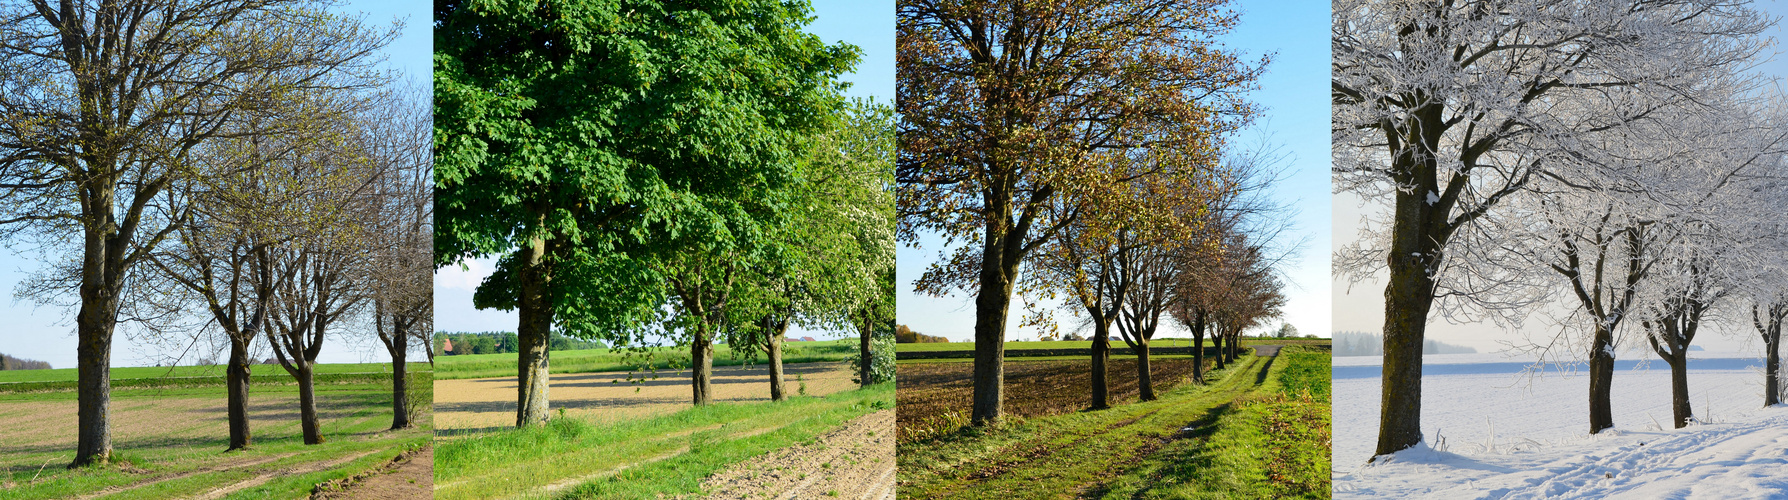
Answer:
[(1362, 307), (47, 333), (1294, 93), (867, 24)]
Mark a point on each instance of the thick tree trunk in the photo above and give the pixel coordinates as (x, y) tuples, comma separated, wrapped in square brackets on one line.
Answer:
[(307, 403), (701, 364), (865, 332), (1145, 386), (1217, 340), (777, 391), (400, 394), (1601, 381), (1101, 353), (1772, 368), (999, 269), (1198, 326), (534, 335), (1679, 388), (1416, 241), (94, 445), (236, 377)]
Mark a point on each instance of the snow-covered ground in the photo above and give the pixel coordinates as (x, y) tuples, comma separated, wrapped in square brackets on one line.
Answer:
[(1494, 430)]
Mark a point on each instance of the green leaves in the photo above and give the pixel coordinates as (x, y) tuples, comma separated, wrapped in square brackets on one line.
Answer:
[(639, 138)]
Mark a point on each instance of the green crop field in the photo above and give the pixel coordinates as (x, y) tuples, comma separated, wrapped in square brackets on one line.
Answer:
[(607, 360), (169, 441)]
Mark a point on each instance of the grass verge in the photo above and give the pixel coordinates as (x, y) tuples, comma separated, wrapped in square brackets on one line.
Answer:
[(649, 458), (1272, 444), (656, 358)]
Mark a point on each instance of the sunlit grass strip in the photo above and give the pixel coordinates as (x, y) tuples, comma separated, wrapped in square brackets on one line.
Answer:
[(611, 360), (667, 455)]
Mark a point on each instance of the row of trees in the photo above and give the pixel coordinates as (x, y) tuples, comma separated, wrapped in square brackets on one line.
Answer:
[(1611, 160), (1081, 149), (237, 168), (693, 175)]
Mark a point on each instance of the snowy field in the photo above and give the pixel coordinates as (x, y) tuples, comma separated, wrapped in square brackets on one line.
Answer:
[(1493, 429)]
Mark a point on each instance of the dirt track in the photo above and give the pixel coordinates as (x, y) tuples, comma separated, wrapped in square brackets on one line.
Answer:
[(854, 461), (609, 396)]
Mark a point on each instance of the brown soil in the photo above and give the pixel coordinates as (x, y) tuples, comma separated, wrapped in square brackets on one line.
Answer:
[(410, 475), (489, 403), (936, 395), (854, 461)]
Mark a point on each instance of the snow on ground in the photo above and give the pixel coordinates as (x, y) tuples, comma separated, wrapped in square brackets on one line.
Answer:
[(1494, 430)]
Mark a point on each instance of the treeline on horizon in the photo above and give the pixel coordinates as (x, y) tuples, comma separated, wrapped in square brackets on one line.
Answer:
[(904, 335), (12, 363), (1372, 344), (501, 342)]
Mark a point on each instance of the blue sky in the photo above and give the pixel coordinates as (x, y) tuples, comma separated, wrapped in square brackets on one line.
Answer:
[(1294, 93), (867, 24), (47, 333)]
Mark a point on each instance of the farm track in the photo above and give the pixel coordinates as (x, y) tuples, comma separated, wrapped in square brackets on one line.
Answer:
[(1077, 460)]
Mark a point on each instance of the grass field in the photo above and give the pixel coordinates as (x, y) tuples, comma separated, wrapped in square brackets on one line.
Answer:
[(169, 442), (656, 457), (608, 360), (1088, 344), (1258, 429)]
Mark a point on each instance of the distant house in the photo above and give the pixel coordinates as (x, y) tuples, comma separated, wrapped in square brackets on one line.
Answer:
[(807, 339), (447, 346)]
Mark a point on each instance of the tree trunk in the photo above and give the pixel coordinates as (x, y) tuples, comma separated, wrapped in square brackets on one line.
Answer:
[(237, 377), (400, 394), (534, 335), (1679, 388), (1408, 297), (1772, 368), (701, 364), (1601, 381), (777, 391), (94, 324), (307, 403), (1145, 386), (1198, 326), (865, 332), (999, 268), (1217, 340), (1101, 353)]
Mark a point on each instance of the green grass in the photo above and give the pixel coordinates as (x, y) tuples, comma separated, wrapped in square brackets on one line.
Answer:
[(608, 360), (660, 456), (1272, 444), (1088, 344), (121, 373), (194, 447)]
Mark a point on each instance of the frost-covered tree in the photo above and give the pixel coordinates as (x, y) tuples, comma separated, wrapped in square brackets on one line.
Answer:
[(1444, 110)]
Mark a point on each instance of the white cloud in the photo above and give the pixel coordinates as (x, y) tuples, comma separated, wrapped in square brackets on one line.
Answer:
[(454, 277)]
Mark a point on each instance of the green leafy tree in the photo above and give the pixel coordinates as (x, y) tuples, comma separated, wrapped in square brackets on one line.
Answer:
[(607, 149)]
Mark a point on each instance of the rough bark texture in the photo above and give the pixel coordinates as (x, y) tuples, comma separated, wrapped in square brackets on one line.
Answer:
[(1408, 297), (1679, 389), (236, 378), (865, 330), (1145, 386), (307, 403), (1218, 341), (400, 394), (535, 313), (95, 390), (777, 331), (701, 363), (1198, 327), (999, 270), (1772, 369), (1101, 353), (1601, 381)]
